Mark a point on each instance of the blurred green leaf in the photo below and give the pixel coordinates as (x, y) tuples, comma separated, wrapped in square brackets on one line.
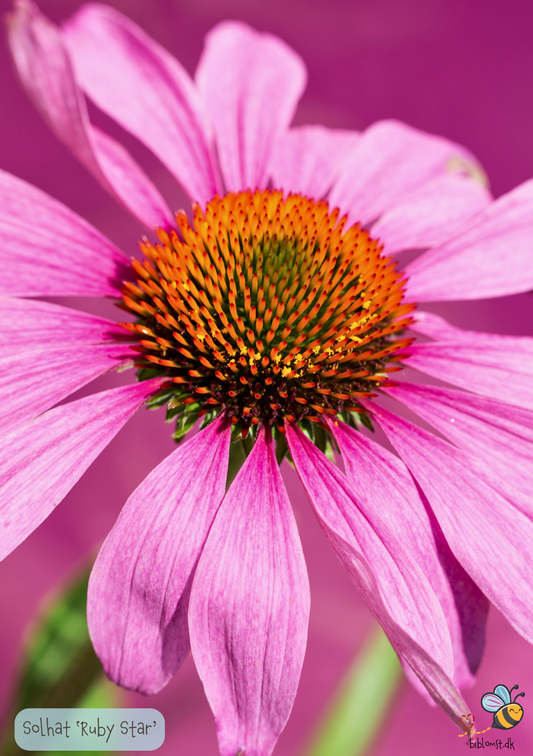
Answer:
[(59, 667), (362, 702), (60, 663), (281, 446), (238, 452)]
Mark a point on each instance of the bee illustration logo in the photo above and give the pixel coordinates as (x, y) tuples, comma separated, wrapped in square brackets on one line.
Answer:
[(507, 713)]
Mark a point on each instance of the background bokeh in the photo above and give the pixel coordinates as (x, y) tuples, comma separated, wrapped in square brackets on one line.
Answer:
[(459, 68)]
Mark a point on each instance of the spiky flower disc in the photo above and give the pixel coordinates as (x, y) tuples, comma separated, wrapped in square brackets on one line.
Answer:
[(268, 308)]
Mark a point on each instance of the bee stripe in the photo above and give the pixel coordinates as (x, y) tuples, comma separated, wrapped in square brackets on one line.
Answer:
[(508, 718), (505, 719)]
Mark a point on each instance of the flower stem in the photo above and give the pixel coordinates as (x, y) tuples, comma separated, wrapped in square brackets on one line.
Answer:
[(361, 703)]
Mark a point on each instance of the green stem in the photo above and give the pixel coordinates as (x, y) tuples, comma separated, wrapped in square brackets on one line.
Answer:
[(361, 703)]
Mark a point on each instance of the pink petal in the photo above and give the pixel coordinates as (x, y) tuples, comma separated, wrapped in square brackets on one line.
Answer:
[(130, 183), (388, 497), (488, 535), (249, 608), (33, 381), (390, 160), (30, 324), (47, 250), (435, 327), (488, 364), (491, 257), (431, 214), (391, 582), (140, 584), (144, 88), (40, 462), (499, 435), (251, 84), (308, 159), (45, 69)]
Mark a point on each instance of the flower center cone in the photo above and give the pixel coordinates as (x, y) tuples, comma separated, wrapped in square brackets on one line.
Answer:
[(268, 308)]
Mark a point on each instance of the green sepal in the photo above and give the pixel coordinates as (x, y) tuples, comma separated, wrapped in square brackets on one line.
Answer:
[(173, 412), (282, 448), (236, 432), (238, 453), (125, 366), (320, 437), (325, 442), (308, 428), (349, 418), (365, 420), (175, 407), (357, 420), (145, 373), (184, 425), (160, 399), (209, 416), (186, 420)]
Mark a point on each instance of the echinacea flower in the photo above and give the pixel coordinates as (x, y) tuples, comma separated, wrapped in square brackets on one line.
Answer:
[(276, 314)]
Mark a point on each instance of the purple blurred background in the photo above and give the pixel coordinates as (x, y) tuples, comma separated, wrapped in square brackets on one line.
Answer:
[(462, 69)]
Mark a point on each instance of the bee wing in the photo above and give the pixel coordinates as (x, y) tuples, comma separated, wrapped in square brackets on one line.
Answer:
[(503, 692), (492, 702)]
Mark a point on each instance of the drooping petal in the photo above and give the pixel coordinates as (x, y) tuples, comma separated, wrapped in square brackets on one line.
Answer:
[(435, 327), (140, 584), (29, 324), (390, 160), (249, 608), (308, 159), (47, 250), (394, 586), (491, 257), (431, 214), (497, 366), (133, 187), (33, 381), (387, 495), (498, 434), (251, 84), (45, 70), (487, 533), (144, 88), (42, 460)]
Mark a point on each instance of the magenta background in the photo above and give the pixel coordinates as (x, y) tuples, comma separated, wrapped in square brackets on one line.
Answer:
[(460, 68)]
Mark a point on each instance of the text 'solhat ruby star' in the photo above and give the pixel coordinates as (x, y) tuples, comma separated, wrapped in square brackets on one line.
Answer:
[(277, 314)]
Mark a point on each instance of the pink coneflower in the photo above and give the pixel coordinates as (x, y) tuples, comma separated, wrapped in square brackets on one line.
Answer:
[(277, 316)]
